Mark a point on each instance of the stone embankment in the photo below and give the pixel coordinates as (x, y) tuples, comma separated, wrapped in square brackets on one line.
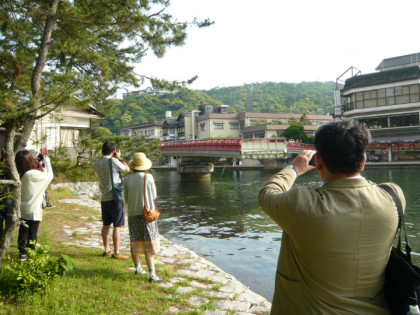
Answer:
[(231, 298), (89, 189)]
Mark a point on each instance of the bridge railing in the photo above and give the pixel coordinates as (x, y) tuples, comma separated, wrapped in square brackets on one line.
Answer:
[(203, 145), (230, 145), (300, 146)]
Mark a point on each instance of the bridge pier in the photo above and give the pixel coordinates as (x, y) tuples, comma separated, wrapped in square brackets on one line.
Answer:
[(274, 164), (195, 172)]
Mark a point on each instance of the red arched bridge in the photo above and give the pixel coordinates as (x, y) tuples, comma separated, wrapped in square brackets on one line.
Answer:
[(235, 148)]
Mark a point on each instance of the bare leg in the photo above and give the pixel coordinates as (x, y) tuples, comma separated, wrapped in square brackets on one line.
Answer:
[(116, 239), (135, 257), (137, 264), (105, 237), (150, 260)]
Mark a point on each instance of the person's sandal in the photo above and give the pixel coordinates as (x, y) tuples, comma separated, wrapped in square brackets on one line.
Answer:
[(156, 279), (108, 253), (119, 256), (141, 272)]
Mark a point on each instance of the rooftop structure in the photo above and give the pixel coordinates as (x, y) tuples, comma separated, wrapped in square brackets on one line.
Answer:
[(148, 91), (388, 102), (399, 62)]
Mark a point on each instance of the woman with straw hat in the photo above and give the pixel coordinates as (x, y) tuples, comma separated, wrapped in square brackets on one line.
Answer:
[(144, 235)]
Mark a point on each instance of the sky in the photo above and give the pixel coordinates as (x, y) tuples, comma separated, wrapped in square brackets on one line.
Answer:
[(285, 40)]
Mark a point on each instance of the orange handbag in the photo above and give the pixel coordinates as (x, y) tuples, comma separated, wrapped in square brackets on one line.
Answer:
[(149, 214)]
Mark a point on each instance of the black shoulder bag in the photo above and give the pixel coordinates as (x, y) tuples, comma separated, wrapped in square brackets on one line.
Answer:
[(117, 190), (402, 277)]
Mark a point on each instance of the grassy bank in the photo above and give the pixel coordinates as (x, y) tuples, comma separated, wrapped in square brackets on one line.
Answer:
[(97, 285)]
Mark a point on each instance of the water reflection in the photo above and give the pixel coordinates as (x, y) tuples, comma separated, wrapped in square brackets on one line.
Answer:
[(221, 219)]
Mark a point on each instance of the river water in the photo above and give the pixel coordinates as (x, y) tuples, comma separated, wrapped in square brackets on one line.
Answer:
[(222, 221)]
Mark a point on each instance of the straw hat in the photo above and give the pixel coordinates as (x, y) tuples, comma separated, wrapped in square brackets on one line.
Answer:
[(140, 162)]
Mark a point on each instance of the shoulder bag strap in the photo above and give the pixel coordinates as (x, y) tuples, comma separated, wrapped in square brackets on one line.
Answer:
[(144, 190), (110, 173), (398, 204)]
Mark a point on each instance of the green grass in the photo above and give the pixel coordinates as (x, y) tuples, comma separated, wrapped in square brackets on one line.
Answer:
[(97, 285)]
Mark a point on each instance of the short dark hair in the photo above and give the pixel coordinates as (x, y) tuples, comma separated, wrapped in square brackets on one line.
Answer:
[(25, 162), (108, 147), (342, 145)]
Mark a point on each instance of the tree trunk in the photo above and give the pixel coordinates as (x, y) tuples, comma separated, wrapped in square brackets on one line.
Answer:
[(23, 138), (37, 75), (12, 218), (43, 49)]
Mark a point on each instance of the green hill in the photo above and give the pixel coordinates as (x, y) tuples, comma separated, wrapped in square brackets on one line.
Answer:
[(269, 97), (138, 109)]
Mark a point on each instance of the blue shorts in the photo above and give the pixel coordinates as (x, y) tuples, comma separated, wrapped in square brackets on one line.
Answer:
[(113, 213)]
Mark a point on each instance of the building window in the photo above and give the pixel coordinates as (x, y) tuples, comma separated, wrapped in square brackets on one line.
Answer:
[(234, 125), (218, 126), (414, 89), (68, 136), (374, 123), (202, 127), (259, 134), (383, 97), (404, 120), (370, 103)]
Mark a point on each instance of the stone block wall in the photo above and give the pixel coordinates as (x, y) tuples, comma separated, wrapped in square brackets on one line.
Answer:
[(90, 189)]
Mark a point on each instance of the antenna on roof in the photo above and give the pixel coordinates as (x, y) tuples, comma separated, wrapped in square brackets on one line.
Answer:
[(337, 93)]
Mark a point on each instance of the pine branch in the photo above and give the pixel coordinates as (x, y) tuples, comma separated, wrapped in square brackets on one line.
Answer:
[(9, 182)]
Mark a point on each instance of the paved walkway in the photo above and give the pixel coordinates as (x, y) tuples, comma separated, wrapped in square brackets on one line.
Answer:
[(231, 298)]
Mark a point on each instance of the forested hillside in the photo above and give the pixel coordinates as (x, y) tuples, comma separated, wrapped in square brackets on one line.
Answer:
[(305, 97), (139, 109)]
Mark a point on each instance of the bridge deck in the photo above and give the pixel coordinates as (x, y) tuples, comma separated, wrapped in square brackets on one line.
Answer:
[(248, 148)]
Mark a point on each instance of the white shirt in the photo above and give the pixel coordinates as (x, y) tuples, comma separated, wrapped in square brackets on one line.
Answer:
[(133, 192), (101, 167), (34, 183)]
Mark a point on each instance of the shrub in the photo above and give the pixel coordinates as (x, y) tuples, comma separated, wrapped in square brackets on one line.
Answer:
[(19, 279)]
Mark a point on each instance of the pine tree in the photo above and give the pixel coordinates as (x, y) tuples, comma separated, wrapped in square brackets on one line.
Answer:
[(56, 53)]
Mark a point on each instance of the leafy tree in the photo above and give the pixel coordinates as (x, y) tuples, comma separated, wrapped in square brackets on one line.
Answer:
[(129, 146), (304, 120), (101, 132), (296, 132), (83, 148), (56, 53)]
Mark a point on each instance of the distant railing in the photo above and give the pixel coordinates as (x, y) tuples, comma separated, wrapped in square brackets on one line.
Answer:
[(300, 146), (203, 145), (226, 144)]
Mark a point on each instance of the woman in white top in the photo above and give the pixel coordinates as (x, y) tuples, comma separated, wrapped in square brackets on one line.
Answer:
[(144, 235), (34, 183)]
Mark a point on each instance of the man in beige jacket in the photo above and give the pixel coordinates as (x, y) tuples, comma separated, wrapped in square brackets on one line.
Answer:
[(336, 238)]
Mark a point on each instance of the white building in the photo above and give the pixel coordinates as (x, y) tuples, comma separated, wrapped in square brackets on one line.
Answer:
[(150, 130), (62, 127)]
